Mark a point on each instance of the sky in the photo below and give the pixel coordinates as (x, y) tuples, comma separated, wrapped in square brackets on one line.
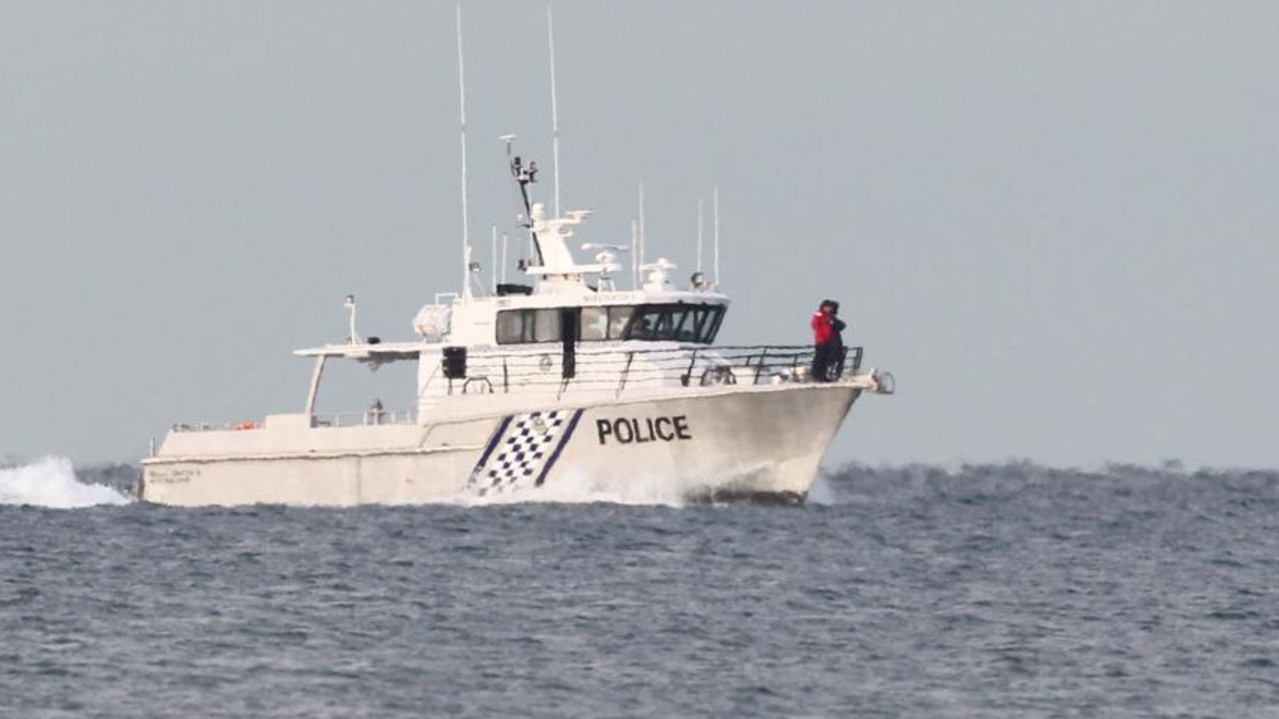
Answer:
[(1055, 223)]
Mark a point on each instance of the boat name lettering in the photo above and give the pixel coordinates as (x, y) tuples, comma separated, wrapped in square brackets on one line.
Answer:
[(600, 298), (172, 476), (627, 430)]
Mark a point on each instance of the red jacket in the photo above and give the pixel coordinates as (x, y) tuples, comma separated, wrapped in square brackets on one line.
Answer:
[(823, 327)]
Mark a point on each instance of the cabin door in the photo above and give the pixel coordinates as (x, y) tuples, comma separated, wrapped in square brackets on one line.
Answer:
[(568, 326)]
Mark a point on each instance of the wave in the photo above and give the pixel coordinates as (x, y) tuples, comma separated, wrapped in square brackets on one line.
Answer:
[(856, 482), (52, 482), (1029, 470)]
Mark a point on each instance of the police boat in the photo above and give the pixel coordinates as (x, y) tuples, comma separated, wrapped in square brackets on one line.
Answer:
[(566, 388)]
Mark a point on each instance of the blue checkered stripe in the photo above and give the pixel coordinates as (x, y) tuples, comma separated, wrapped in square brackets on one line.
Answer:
[(521, 451)]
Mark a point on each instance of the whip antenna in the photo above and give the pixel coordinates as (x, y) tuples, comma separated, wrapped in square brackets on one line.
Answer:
[(504, 248), (715, 203), (641, 230), (466, 232), (635, 255), (555, 116), (699, 234)]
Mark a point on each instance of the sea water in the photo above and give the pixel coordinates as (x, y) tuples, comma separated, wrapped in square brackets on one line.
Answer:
[(981, 591)]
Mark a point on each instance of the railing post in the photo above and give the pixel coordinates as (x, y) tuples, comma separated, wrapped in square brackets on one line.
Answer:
[(759, 369), (630, 356), (692, 362)]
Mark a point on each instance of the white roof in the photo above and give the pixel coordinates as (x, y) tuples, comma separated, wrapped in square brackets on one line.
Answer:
[(381, 352)]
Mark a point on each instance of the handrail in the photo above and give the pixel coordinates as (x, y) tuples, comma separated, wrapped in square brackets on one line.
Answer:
[(366, 418), (687, 366), (369, 417)]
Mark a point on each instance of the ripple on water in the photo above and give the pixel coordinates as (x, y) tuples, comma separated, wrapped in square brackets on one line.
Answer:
[(983, 591)]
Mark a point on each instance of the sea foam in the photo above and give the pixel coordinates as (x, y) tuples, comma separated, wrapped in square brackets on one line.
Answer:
[(51, 482), (580, 487)]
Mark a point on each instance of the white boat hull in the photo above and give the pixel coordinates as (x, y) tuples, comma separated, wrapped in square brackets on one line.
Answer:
[(760, 443)]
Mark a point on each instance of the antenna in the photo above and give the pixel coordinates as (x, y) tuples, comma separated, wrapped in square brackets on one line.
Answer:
[(495, 265), (641, 242), (635, 255), (555, 117), (716, 212), (466, 233), (349, 304), (699, 234), (504, 248)]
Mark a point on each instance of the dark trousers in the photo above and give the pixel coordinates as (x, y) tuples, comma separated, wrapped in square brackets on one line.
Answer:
[(826, 362)]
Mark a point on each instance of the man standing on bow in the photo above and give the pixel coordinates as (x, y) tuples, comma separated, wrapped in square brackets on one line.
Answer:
[(829, 344)]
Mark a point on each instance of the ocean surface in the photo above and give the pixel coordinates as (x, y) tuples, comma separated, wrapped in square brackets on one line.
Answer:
[(979, 591)]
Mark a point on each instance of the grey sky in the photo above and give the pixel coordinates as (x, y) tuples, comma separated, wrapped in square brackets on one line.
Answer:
[(1055, 222)]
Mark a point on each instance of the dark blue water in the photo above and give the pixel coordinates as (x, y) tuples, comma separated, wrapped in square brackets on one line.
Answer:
[(1009, 591)]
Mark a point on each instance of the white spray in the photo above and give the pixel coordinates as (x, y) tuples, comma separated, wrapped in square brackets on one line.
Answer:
[(51, 482)]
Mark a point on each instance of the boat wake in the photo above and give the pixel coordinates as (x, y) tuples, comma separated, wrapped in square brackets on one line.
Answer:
[(583, 488), (636, 490), (51, 482), (822, 492)]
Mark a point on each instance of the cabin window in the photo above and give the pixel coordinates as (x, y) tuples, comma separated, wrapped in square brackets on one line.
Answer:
[(510, 326), (605, 323), (618, 317), (594, 324), (712, 325), (675, 323), (670, 322), (520, 326), (702, 323), (644, 324), (546, 325)]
